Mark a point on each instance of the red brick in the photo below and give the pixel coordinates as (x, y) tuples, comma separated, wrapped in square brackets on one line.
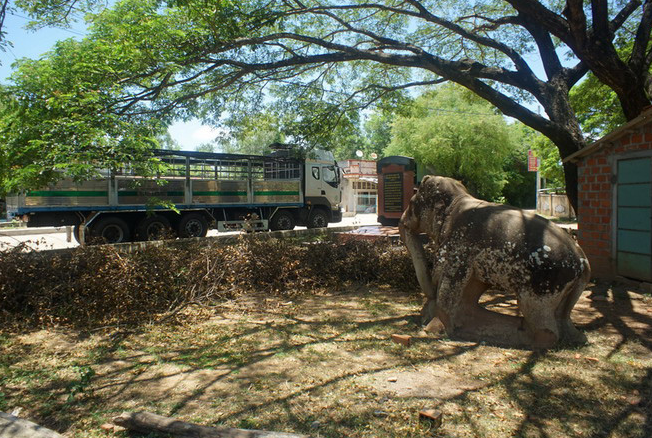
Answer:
[(605, 169), (636, 138), (606, 187), (606, 237), (625, 140), (590, 178), (606, 203), (605, 220), (585, 187), (402, 339), (602, 160), (596, 187), (604, 193), (602, 178)]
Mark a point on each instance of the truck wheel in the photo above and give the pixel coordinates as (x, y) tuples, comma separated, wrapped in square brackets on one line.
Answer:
[(110, 229), (282, 220), (154, 228), (193, 225), (318, 219)]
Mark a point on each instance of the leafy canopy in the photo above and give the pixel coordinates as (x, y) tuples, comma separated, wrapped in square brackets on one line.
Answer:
[(457, 135), (195, 57), (55, 120)]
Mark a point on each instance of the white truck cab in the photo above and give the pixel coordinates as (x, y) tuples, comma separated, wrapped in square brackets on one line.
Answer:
[(323, 189)]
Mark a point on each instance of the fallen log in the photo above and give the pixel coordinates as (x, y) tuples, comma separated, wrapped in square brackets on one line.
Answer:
[(14, 427), (146, 422)]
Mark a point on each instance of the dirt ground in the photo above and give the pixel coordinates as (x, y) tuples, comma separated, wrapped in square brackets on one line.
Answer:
[(325, 365)]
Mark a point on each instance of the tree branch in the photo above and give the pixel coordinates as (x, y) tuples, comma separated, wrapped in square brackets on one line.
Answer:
[(642, 40)]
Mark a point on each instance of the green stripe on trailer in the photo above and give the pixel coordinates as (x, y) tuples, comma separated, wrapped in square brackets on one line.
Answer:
[(66, 193), (135, 193), (276, 193), (220, 193)]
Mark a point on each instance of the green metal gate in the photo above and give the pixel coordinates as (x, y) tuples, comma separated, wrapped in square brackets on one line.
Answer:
[(634, 233)]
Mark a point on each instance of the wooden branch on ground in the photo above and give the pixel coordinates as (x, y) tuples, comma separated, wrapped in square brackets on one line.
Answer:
[(14, 427), (146, 422)]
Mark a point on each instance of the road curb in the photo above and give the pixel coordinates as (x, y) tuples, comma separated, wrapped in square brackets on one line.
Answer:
[(31, 231)]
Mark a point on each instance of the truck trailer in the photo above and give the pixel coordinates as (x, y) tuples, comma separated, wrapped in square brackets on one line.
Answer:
[(196, 191)]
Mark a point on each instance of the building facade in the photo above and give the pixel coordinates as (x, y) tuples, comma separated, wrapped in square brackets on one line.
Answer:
[(360, 189), (615, 200)]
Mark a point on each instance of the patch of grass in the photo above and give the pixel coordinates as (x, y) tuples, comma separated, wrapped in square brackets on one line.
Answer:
[(329, 369)]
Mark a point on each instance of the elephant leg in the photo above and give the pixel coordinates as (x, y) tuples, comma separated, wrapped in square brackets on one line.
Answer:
[(567, 329), (476, 322), (419, 260), (540, 314)]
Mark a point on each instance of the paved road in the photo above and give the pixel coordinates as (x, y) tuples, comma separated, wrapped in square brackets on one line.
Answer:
[(55, 238)]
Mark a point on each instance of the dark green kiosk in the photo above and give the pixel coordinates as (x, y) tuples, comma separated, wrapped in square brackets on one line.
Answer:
[(397, 179)]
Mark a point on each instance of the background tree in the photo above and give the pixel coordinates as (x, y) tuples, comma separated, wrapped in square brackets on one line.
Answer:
[(550, 166), (225, 56), (43, 13), (458, 135), (54, 121)]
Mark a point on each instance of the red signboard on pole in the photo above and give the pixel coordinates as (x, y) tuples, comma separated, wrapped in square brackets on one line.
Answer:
[(532, 162)]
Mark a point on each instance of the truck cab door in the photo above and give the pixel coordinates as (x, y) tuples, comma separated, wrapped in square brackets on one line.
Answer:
[(331, 184), (324, 181)]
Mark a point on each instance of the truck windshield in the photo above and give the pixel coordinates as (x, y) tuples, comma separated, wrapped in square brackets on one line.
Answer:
[(330, 175)]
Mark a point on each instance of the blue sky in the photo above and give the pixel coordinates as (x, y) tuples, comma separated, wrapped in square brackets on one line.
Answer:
[(30, 44)]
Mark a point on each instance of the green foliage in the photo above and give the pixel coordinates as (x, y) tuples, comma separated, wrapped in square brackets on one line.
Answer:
[(458, 135), (520, 188), (597, 107), (550, 166), (80, 385), (57, 120), (56, 13), (252, 134)]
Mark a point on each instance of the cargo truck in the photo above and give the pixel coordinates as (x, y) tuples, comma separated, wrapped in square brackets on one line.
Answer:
[(195, 191)]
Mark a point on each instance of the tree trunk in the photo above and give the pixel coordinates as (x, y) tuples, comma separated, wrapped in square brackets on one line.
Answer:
[(572, 191)]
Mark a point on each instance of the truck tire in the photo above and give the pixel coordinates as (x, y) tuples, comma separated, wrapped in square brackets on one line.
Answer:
[(318, 218), (110, 229), (193, 225), (282, 220), (154, 228)]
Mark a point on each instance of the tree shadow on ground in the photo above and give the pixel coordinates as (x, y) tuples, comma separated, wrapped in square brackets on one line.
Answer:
[(555, 393)]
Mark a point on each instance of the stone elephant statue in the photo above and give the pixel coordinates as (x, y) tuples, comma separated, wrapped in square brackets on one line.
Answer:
[(480, 246)]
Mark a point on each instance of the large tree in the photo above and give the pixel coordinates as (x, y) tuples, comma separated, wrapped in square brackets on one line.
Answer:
[(235, 54), (457, 134)]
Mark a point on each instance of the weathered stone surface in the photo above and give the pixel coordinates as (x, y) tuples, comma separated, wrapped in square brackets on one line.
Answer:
[(479, 246), (14, 427)]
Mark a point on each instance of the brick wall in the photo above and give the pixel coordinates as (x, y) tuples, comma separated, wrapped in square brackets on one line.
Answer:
[(596, 214)]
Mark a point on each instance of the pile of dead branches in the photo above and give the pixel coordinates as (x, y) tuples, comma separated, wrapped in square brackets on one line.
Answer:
[(100, 285)]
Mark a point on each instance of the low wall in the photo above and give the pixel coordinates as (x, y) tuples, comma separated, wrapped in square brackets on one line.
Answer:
[(554, 205)]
